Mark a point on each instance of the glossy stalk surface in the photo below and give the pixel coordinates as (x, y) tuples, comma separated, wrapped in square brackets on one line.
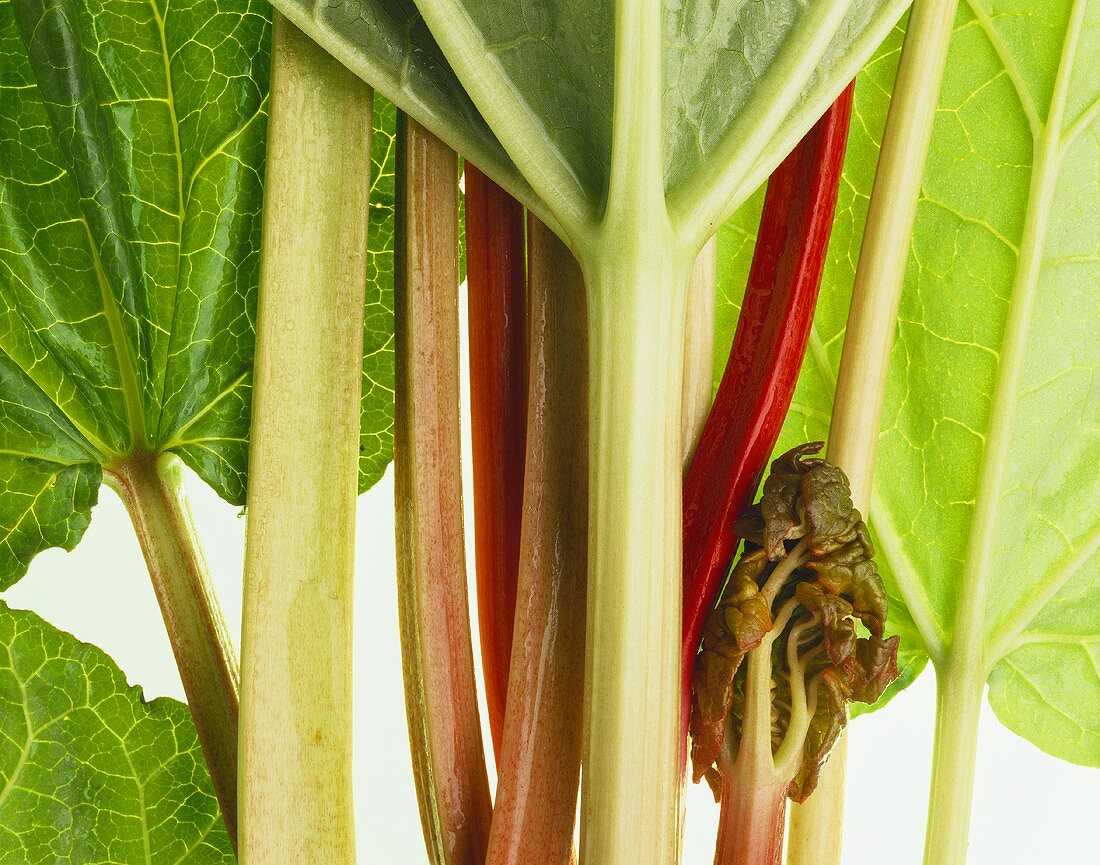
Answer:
[(765, 360), (496, 288), (539, 766)]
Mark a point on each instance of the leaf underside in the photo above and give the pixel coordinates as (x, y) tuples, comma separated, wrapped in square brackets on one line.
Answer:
[(557, 56), (132, 145), (979, 220), (91, 773)]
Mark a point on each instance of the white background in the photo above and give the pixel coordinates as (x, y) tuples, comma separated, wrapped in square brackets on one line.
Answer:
[(1028, 808)]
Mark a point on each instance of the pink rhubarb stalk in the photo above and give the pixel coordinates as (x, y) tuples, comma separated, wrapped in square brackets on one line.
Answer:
[(540, 760), (437, 655)]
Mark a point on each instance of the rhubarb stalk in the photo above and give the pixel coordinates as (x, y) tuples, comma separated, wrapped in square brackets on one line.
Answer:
[(151, 487), (636, 269), (296, 733), (539, 765), (497, 301), (756, 389), (815, 837), (437, 654), (699, 361)]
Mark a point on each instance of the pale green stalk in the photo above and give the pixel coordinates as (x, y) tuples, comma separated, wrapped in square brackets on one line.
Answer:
[(814, 837), (296, 731), (637, 274), (699, 339), (632, 694)]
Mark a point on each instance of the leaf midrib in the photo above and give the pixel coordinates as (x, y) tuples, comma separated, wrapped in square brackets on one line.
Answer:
[(970, 646), (128, 378), (170, 100)]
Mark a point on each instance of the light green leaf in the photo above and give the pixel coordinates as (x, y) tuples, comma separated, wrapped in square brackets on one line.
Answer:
[(986, 510), (91, 773)]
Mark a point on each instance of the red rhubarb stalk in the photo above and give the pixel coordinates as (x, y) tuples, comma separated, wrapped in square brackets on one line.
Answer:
[(757, 386), (540, 760), (495, 275)]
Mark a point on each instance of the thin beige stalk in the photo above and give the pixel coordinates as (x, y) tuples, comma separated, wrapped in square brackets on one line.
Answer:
[(814, 837), (699, 339), (540, 762), (296, 726), (151, 487), (437, 656)]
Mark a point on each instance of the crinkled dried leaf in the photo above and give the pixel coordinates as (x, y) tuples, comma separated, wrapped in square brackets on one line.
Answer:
[(737, 625), (828, 720), (829, 585), (836, 622), (779, 501), (849, 572), (827, 507), (876, 666)]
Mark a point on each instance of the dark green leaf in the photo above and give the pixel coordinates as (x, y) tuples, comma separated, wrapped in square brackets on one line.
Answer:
[(542, 75), (132, 144), (91, 773), (376, 441)]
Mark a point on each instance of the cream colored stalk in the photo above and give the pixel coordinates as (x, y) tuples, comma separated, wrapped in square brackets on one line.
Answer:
[(296, 730), (814, 837)]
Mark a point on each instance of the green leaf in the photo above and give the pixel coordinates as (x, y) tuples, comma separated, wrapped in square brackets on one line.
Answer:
[(986, 510), (91, 773), (528, 95), (132, 146), (376, 436)]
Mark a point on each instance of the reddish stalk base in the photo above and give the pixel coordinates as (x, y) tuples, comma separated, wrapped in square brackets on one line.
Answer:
[(750, 827), (756, 389), (540, 759)]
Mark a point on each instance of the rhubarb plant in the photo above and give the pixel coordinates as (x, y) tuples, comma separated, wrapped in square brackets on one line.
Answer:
[(145, 328)]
